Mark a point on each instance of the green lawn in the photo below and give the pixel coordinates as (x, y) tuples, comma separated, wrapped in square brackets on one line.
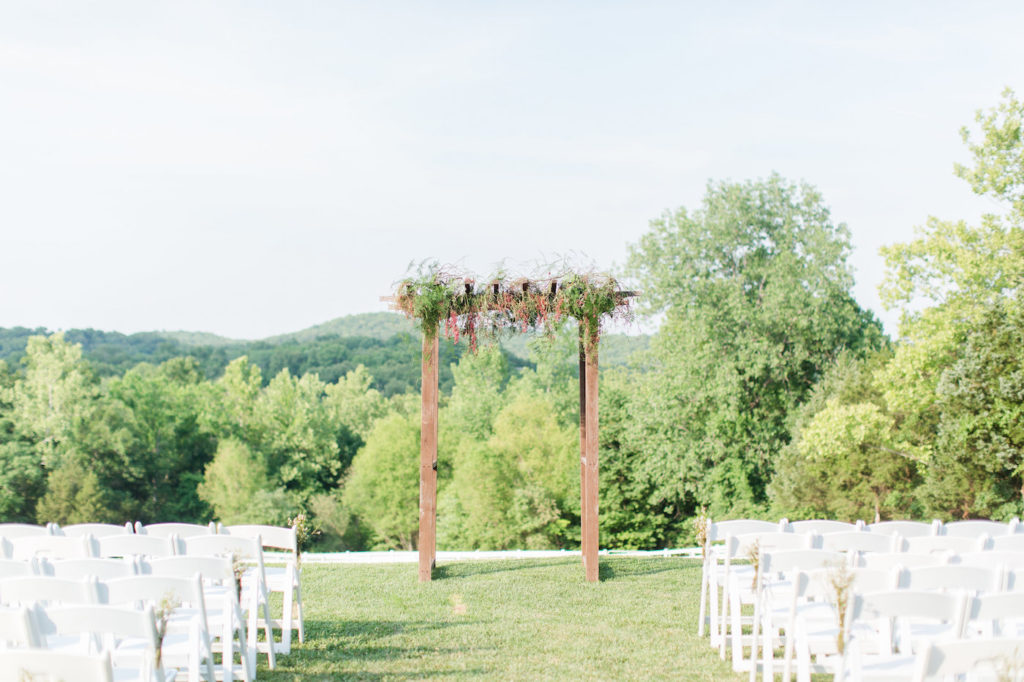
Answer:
[(516, 619)]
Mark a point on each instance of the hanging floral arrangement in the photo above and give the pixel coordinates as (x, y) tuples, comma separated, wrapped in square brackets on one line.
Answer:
[(460, 305)]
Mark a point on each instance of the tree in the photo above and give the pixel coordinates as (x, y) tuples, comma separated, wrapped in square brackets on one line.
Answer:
[(756, 294), (382, 488), (169, 447), (978, 463), (236, 486), (953, 282)]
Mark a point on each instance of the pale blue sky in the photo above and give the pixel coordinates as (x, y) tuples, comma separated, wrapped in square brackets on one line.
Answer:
[(251, 168)]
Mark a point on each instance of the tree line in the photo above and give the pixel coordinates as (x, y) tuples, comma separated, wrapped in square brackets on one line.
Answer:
[(766, 391)]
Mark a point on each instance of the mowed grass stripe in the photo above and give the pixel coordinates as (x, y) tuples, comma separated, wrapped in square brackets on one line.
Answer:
[(515, 619)]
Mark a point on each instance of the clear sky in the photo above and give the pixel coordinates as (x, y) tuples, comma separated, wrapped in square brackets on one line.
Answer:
[(252, 168)]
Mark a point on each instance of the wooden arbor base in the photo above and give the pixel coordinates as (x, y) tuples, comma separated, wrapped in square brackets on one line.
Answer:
[(589, 432)]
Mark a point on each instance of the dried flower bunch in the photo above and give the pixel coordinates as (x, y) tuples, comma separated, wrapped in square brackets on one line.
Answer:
[(463, 305), (305, 531)]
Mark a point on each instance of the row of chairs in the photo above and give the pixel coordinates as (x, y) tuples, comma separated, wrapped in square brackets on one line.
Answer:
[(101, 529), (26, 542), (913, 537), (891, 617), (726, 569), (119, 618)]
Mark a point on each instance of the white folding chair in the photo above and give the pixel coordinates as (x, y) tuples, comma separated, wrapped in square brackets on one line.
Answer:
[(889, 560), (907, 529), (97, 530), (774, 597), (255, 597), (40, 665), (814, 621), (136, 546), (990, 659), (223, 612), (713, 568), (740, 587), (999, 614), (286, 579), (858, 541), (129, 635), (28, 590), (182, 530), (952, 577), (823, 526), (97, 567), (52, 547), (888, 628), (187, 642), (951, 544), (1008, 543), (17, 629), (22, 530), (13, 568), (975, 528)]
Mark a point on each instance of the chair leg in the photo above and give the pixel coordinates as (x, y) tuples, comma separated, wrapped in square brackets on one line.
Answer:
[(298, 602), (286, 619), (704, 577)]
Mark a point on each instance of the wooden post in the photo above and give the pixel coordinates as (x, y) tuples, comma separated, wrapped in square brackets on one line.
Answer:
[(590, 507), (428, 460), (583, 447)]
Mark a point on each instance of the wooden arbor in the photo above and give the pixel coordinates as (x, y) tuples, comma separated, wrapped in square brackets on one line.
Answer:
[(520, 305)]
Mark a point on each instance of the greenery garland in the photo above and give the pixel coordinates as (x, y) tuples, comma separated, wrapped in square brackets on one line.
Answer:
[(456, 304)]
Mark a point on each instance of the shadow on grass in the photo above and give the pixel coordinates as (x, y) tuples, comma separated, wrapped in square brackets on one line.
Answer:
[(338, 650), (465, 569), (611, 569)]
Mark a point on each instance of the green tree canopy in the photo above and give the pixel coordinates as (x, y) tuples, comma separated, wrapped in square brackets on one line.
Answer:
[(756, 292)]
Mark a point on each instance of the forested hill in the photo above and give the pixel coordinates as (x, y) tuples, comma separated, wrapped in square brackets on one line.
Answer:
[(387, 344)]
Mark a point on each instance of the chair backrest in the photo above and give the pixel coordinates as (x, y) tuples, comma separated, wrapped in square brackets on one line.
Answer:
[(21, 530), (889, 560), (110, 623), (719, 530), (995, 610), (152, 589), (182, 530), (822, 526), (792, 560), (944, 543), (1008, 560), (42, 665), (875, 579), (907, 529), (136, 546), (244, 548), (975, 528), (1008, 543), (16, 627), (274, 537), (99, 568), (52, 547), (216, 569), (900, 607), (952, 577), (995, 659), (740, 546), (12, 568), (97, 530), (858, 541), (46, 590)]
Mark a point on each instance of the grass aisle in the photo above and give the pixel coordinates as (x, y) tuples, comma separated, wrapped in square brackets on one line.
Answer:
[(518, 619)]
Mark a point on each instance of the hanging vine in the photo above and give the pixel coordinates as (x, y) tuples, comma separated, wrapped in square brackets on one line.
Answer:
[(455, 305)]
